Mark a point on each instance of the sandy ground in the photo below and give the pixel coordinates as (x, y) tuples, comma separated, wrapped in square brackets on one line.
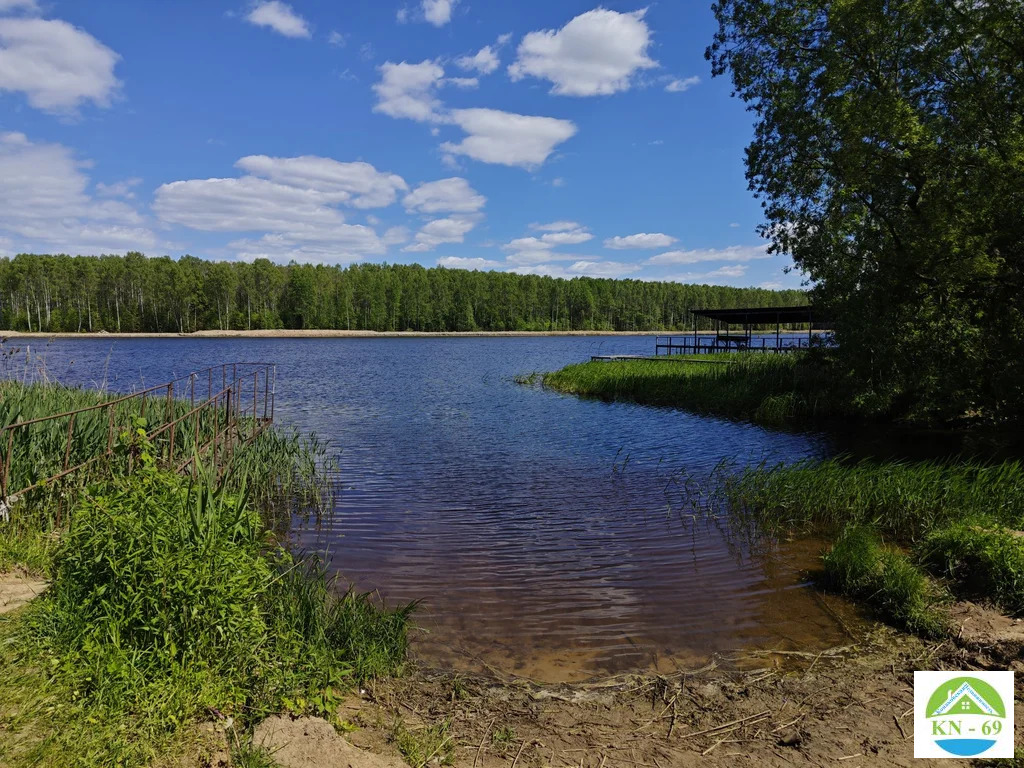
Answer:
[(851, 705), (16, 591)]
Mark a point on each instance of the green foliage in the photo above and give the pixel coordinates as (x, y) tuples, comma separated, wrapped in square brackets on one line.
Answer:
[(170, 600), (771, 389), (904, 499), (986, 562), (503, 738), (424, 745), (889, 156), (85, 293), (858, 564)]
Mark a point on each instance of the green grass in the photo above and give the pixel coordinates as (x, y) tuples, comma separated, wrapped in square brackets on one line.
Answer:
[(172, 602), (860, 565), (955, 521), (425, 745), (906, 500), (767, 388), (986, 562)]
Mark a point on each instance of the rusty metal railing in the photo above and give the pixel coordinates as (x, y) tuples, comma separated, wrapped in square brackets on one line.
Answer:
[(187, 420)]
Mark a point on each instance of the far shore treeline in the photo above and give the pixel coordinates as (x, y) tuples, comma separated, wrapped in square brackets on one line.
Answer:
[(134, 293)]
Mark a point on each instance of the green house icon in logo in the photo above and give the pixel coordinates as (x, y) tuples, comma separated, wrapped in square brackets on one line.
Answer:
[(965, 713)]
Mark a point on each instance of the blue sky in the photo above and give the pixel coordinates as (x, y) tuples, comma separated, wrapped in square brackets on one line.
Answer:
[(555, 136)]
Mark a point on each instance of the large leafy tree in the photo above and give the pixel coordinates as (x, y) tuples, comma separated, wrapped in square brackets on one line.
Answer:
[(889, 156)]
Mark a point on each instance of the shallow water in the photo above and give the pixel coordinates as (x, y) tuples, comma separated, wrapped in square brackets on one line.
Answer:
[(544, 533)]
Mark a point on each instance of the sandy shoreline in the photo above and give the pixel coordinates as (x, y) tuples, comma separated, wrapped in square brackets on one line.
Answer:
[(332, 334)]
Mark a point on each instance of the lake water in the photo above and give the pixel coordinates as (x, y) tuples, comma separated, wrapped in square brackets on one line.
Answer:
[(543, 532)]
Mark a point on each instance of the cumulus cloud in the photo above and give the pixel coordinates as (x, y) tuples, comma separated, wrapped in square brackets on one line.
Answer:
[(732, 253), (639, 241), (676, 85), (460, 262), (582, 268), (279, 17), (484, 61), (725, 274), (438, 12), (557, 226), (548, 241), (453, 195), (505, 138), (409, 90), (45, 205), (448, 230), (357, 184), (122, 188), (56, 65), (7, 6), (597, 53), (293, 202)]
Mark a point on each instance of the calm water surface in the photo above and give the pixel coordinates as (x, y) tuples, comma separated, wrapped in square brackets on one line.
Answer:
[(543, 532)]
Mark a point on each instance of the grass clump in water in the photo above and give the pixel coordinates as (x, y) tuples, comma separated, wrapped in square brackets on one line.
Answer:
[(860, 565), (767, 388)]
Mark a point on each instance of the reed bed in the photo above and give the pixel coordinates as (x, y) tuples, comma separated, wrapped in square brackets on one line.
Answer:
[(767, 388)]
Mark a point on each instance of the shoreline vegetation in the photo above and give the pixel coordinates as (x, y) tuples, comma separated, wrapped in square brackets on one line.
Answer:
[(173, 599), (770, 389)]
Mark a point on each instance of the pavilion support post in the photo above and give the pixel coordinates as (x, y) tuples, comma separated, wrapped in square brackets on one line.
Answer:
[(696, 339)]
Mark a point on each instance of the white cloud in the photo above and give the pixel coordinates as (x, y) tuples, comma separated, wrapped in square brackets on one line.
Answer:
[(290, 206), (118, 188), (463, 82), (734, 225), (640, 240), (279, 17), (771, 285), (557, 226), (723, 275), (44, 204), (453, 195), (18, 5), (548, 241), (583, 268), (460, 262), (408, 90), (677, 85), (396, 236), (523, 258), (505, 138), (357, 184), (246, 204), (438, 12), (438, 231), (484, 61), (732, 253), (596, 53), (337, 39), (57, 66)]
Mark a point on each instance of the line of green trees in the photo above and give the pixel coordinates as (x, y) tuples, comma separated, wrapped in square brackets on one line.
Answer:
[(138, 294)]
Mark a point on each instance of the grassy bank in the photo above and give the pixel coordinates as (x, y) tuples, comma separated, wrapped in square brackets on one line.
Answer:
[(173, 602), (765, 388), (909, 535)]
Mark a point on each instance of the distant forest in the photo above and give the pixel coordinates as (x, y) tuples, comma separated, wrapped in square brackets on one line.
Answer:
[(134, 293)]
